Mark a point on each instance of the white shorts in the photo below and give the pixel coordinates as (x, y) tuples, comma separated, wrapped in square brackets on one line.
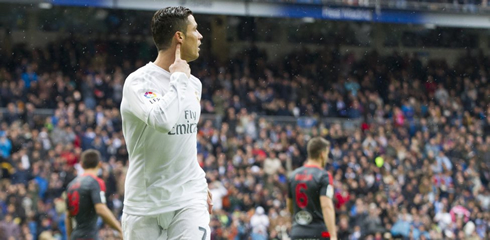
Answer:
[(186, 223)]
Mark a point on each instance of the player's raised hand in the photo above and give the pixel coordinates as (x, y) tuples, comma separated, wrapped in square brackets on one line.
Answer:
[(180, 65)]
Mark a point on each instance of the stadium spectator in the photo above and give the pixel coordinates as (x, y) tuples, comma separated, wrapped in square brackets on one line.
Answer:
[(9, 228), (259, 223), (429, 122)]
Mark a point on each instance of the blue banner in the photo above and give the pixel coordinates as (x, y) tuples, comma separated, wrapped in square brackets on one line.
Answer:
[(350, 14), (347, 14), (84, 3)]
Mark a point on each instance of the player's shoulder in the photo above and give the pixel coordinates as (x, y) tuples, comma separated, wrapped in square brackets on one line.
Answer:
[(140, 74), (296, 172), (194, 78), (196, 81), (326, 176), (94, 181), (322, 172), (73, 183), (318, 172), (146, 77)]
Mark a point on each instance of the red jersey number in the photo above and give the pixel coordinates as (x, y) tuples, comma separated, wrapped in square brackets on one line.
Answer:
[(301, 197), (73, 202)]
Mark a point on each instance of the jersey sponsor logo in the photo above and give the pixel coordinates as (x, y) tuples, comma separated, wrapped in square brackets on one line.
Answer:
[(186, 128), (303, 217), (329, 191), (181, 129)]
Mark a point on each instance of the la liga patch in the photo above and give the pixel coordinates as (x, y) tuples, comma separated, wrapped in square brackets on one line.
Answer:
[(150, 95)]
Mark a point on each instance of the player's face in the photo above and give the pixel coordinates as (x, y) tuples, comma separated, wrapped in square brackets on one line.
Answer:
[(192, 40)]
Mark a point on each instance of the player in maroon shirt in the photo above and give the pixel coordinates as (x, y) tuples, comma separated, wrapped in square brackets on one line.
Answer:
[(310, 196), (86, 201)]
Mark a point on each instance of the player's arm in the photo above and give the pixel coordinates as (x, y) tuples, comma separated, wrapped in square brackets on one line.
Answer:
[(68, 224), (98, 198), (68, 221), (289, 203), (328, 209), (157, 110), (106, 215)]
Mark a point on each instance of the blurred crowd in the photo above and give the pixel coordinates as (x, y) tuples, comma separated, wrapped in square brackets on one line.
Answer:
[(417, 167)]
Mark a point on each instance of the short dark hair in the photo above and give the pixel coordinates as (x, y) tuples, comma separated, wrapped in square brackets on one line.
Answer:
[(316, 146), (90, 159), (166, 22)]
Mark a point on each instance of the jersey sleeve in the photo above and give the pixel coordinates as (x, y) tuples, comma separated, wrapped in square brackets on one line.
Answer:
[(97, 192), (158, 108), (198, 87), (326, 188)]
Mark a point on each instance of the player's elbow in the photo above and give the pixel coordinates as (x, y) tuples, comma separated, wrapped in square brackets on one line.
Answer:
[(100, 209), (160, 124), (67, 219), (326, 203)]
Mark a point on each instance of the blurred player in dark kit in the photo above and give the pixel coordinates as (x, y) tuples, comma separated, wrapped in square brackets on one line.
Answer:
[(86, 200), (310, 196)]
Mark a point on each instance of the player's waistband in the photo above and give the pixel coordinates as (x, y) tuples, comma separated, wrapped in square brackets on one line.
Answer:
[(314, 230), (324, 236), (147, 209)]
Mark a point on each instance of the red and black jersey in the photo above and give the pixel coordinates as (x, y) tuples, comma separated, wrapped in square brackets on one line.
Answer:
[(83, 193), (306, 185)]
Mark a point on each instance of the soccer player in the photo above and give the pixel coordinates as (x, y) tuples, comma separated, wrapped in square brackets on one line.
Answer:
[(166, 193), (86, 199), (310, 196)]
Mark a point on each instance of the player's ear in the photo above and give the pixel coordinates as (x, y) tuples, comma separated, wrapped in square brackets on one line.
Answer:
[(179, 37)]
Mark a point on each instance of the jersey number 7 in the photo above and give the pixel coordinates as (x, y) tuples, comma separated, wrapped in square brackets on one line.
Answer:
[(301, 197)]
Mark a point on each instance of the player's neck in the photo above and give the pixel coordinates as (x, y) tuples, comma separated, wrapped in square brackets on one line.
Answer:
[(165, 59), (91, 171), (314, 163)]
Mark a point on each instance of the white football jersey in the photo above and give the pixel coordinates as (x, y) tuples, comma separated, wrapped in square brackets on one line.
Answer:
[(160, 113)]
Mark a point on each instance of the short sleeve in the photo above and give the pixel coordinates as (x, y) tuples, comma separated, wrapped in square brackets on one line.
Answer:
[(97, 192), (326, 188)]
